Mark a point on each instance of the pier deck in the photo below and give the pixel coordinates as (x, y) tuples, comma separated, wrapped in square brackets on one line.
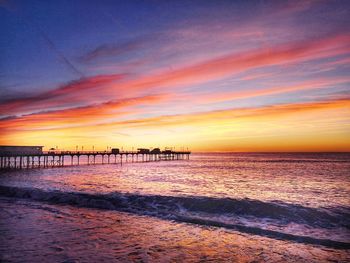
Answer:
[(64, 158)]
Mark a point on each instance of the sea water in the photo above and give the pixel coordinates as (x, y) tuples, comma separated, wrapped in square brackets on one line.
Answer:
[(230, 207)]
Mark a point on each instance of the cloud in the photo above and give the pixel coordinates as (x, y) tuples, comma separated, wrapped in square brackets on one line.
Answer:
[(78, 91), (208, 118), (105, 112), (102, 87), (115, 49), (80, 115), (231, 114), (239, 62), (322, 124), (251, 93)]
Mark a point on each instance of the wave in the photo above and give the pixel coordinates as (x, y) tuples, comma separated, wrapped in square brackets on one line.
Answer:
[(195, 210)]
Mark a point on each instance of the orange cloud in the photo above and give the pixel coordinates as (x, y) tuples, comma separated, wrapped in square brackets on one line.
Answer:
[(231, 114), (235, 95), (74, 91), (77, 116), (317, 124)]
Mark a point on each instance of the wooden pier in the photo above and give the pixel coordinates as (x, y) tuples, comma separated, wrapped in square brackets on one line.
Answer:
[(65, 158)]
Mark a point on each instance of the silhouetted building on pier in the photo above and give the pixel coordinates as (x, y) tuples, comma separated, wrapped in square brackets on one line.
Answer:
[(155, 151), (115, 150), (20, 150), (142, 150)]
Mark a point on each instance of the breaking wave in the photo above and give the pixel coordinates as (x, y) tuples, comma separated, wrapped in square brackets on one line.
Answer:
[(206, 211)]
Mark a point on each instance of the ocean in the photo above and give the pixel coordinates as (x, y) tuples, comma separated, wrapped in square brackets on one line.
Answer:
[(218, 207)]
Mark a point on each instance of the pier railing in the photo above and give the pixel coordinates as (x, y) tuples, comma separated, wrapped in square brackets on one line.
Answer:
[(47, 159)]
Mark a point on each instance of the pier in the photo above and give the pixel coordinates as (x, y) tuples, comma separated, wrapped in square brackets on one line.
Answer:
[(46, 159)]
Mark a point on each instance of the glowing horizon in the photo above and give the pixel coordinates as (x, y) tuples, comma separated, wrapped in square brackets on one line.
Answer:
[(228, 76)]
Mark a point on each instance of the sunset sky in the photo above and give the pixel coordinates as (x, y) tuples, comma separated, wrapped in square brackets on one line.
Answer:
[(208, 75)]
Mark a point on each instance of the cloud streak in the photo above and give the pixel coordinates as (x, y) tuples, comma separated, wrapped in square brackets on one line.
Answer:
[(80, 115), (234, 114), (114, 49), (252, 93), (101, 87), (84, 117), (239, 62), (78, 91)]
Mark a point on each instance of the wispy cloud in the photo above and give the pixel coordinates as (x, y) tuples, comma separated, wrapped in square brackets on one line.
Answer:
[(78, 116), (116, 49), (281, 89), (233, 114), (81, 90), (78, 91), (239, 62)]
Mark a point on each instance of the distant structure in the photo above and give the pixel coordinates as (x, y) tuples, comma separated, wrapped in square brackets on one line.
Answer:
[(156, 151), (20, 157), (17, 150), (115, 150), (142, 150)]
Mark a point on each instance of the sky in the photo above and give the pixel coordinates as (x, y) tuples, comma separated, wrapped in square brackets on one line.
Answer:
[(204, 75)]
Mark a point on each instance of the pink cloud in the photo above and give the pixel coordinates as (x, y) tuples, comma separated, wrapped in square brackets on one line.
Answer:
[(99, 88)]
